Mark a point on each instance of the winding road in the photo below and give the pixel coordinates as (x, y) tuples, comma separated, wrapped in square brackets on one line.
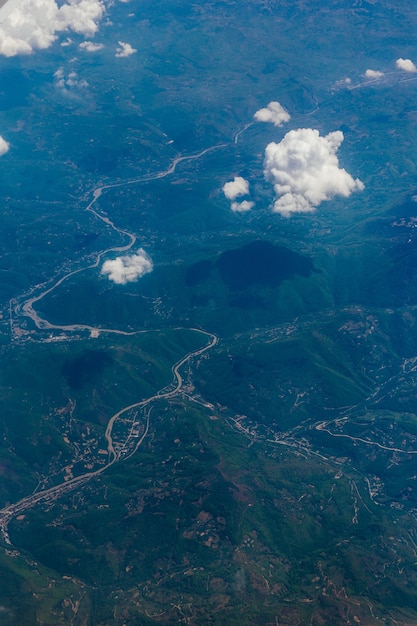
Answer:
[(25, 308), (53, 493)]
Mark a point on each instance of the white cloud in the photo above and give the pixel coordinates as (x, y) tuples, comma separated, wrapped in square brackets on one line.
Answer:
[(33, 24), (274, 113), (125, 50), (4, 146), (304, 170), (343, 83), (235, 188), (128, 269), (69, 83), (241, 207), (90, 46), (374, 74), (406, 65)]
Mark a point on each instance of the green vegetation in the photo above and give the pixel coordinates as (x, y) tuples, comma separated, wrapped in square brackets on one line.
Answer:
[(46, 421), (31, 593), (279, 486), (203, 523)]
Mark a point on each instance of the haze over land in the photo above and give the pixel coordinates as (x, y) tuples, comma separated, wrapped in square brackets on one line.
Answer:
[(208, 312)]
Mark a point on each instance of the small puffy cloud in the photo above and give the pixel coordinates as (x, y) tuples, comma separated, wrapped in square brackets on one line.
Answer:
[(69, 83), (125, 50), (343, 83), (304, 170), (242, 207), (4, 146), (274, 113), (33, 24), (129, 268), (90, 46), (406, 65), (373, 74), (235, 188)]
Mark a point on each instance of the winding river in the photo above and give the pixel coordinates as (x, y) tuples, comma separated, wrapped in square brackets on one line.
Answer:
[(26, 308)]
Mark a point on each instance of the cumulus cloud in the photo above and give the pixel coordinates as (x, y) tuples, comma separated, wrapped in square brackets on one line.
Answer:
[(406, 65), (125, 50), (304, 170), (69, 83), (235, 188), (33, 24), (129, 268), (373, 74), (90, 46), (343, 83), (242, 207), (4, 146), (274, 113)]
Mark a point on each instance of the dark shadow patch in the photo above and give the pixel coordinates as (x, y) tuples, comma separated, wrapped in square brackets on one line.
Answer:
[(85, 368), (199, 301), (261, 263), (407, 207), (403, 259), (198, 273), (247, 301)]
